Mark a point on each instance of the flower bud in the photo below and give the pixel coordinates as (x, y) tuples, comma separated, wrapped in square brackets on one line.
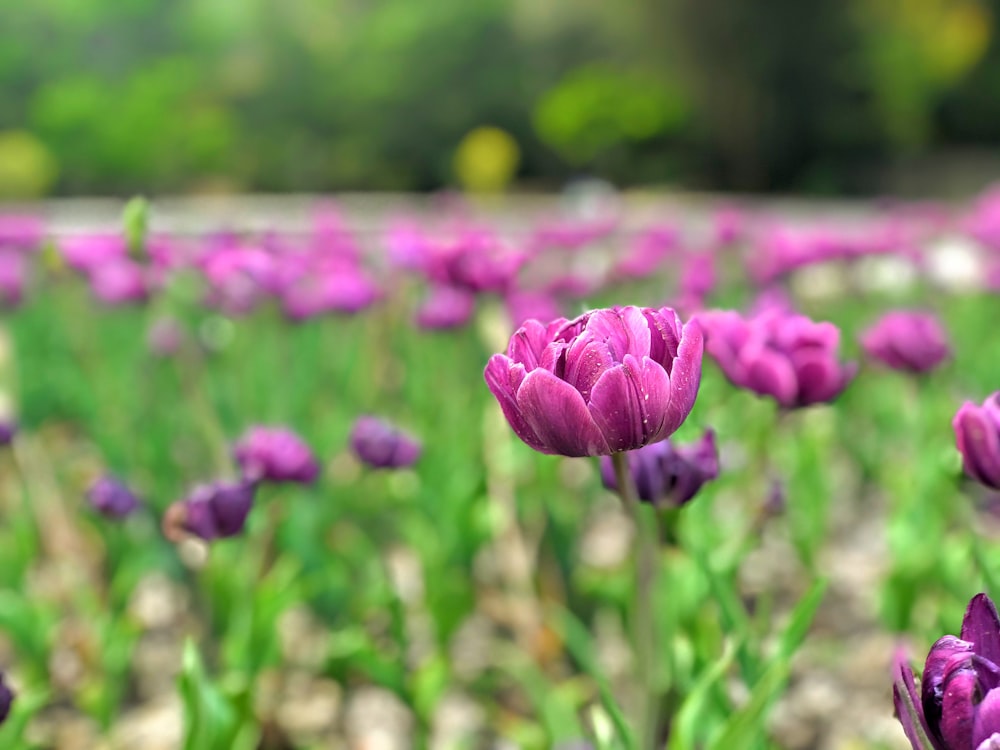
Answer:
[(666, 474), (111, 497), (381, 445)]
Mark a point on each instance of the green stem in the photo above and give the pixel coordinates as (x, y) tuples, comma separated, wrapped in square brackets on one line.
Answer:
[(643, 625)]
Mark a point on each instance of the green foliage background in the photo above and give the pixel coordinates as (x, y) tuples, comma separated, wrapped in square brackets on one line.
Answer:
[(114, 96)]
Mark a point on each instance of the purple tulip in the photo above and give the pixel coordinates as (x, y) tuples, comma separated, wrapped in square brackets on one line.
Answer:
[(7, 697), (13, 277), (119, 282), (958, 704), (275, 454), (665, 474), (611, 380), (112, 498), (381, 445), (211, 511), (787, 357), (348, 290), (86, 252), (21, 232), (977, 433), (446, 307), (907, 340), (523, 305)]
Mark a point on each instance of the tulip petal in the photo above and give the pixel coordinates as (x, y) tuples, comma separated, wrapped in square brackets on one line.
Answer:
[(586, 361), (615, 406), (820, 376), (958, 701), (665, 336), (987, 722), (770, 374), (556, 412), (904, 693), (528, 343), (979, 444), (981, 627), (504, 377), (624, 330), (685, 380)]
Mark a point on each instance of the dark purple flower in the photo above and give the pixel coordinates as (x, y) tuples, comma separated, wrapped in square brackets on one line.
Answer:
[(211, 511), (275, 454), (665, 474), (111, 497), (7, 697), (977, 433), (611, 380), (446, 307), (787, 357), (8, 429), (907, 340), (958, 704), (382, 445)]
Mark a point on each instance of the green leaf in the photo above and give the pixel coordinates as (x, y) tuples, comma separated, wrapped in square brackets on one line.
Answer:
[(743, 729), (578, 641)]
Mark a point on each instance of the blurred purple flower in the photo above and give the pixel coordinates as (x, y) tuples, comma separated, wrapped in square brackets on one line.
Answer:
[(119, 282), (728, 225), (648, 250), (382, 445), (611, 380), (211, 511), (111, 497), (13, 277), (319, 291), (787, 357), (21, 232), (523, 305), (958, 704), (665, 474), (446, 307), (907, 340), (476, 260), (275, 454), (7, 698), (87, 252), (8, 429), (977, 434)]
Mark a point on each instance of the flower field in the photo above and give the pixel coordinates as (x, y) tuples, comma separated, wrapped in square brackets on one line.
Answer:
[(629, 474)]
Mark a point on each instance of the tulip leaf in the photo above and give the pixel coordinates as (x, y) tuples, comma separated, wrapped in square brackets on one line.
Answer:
[(743, 727), (686, 722), (577, 640)]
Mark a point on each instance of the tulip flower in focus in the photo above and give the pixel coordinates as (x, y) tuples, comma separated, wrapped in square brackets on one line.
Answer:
[(788, 357), (382, 445), (907, 340), (665, 474), (211, 511), (608, 381), (977, 433), (958, 704), (275, 454), (112, 498)]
